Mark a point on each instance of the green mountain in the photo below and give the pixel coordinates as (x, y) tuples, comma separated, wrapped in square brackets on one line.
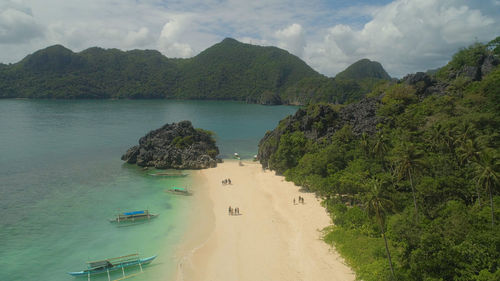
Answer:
[(410, 174), (229, 70), (363, 69)]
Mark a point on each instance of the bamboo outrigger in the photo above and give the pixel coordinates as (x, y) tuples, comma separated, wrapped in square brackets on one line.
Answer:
[(112, 264), (171, 175), (133, 216)]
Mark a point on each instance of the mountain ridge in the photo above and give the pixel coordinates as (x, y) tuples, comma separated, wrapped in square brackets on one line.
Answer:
[(228, 70)]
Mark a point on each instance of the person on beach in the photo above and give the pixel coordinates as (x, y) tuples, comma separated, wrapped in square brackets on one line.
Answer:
[(294, 201), (229, 181), (230, 211)]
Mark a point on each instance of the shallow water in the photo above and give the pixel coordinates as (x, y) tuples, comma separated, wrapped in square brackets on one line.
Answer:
[(62, 179)]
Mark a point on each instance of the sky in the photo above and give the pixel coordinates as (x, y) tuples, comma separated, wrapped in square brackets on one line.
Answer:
[(405, 36)]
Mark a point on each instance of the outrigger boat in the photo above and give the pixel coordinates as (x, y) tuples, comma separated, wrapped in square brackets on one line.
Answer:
[(178, 190), (236, 156), (107, 265), (133, 216), (166, 174)]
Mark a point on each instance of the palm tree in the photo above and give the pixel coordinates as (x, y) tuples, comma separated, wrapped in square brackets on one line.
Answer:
[(440, 139), (435, 138), (469, 152), (465, 131), (380, 146), (409, 161), (378, 203), (365, 144), (487, 176)]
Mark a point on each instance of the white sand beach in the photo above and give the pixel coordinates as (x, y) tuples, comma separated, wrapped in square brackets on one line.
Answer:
[(271, 239)]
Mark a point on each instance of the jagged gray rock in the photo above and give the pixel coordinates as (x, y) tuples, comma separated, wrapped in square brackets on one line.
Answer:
[(174, 146), (489, 63), (320, 122)]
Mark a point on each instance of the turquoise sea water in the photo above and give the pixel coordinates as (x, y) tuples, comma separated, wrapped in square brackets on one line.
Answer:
[(61, 179)]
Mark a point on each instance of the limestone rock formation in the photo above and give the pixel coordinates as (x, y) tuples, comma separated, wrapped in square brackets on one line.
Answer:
[(174, 146), (321, 121)]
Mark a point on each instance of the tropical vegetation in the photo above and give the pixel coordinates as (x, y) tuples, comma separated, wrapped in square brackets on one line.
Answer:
[(417, 197), (229, 70)]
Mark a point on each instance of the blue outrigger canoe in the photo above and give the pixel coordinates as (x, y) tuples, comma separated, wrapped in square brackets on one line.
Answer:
[(112, 264), (133, 216)]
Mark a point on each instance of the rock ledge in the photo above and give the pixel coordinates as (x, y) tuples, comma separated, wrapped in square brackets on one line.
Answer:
[(175, 146)]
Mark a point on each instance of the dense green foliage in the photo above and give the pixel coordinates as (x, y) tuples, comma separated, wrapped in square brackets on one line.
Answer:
[(229, 70), (362, 69), (428, 182)]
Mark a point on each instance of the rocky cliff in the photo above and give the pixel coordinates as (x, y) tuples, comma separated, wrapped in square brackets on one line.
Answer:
[(320, 121), (174, 146)]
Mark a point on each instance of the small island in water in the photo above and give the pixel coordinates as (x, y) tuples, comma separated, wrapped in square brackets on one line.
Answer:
[(175, 146)]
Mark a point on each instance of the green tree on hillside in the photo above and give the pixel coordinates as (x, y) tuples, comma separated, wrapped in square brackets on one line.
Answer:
[(487, 176), (409, 161), (378, 203)]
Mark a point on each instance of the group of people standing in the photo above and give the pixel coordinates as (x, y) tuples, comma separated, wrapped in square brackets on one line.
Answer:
[(226, 181), (233, 212), (301, 200)]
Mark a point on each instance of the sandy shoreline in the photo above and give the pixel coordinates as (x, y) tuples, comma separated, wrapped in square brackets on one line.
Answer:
[(272, 239)]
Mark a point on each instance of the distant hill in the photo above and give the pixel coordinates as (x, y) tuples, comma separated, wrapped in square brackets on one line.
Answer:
[(363, 69), (229, 70)]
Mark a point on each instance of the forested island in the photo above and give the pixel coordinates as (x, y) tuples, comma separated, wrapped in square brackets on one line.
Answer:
[(229, 70), (410, 174)]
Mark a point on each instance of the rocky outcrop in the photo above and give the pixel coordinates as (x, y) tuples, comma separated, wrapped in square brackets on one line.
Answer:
[(476, 72), (174, 146), (361, 116), (424, 84), (319, 122)]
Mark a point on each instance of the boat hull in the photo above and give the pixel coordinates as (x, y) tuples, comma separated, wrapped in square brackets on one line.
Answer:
[(134, 219), (169, 175), (116, 267)]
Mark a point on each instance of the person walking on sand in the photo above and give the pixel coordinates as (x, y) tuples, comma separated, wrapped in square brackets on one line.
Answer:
[(229, 181), (294, 201), (229, 211)]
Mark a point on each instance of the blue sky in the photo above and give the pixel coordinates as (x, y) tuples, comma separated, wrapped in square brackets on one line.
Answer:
[(404, 35)]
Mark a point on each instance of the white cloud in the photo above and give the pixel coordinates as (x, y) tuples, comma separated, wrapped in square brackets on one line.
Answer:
[(17, 24), (405, 36), (170, 40), (138, 38), (292, 39)]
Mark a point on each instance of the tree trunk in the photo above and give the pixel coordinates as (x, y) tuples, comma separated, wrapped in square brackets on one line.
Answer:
[(478, 196), (386, 245), (414, 197), (492, 212)]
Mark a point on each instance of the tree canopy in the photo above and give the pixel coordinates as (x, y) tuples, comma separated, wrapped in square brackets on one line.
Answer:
[(426, 182)]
